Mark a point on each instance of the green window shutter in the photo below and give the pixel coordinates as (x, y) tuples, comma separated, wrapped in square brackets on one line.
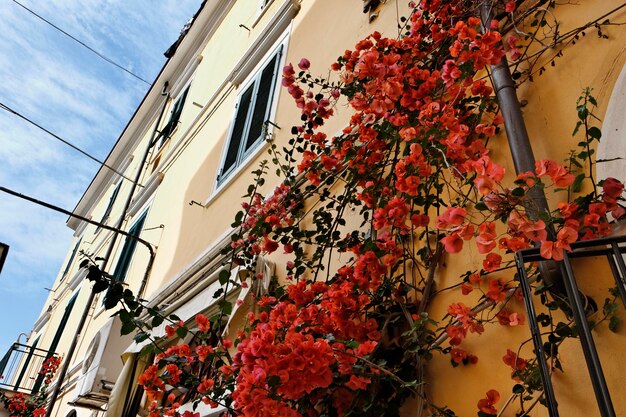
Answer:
[(69, 262), (123, 263), (239, 127), (62, 324), (107, 211), (261, 111), (177, 110), (252, 110), (57, 337)]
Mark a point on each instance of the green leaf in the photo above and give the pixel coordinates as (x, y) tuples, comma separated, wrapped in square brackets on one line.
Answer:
[(100, 286), (224, 276), (609, 307), (94, 273), (578, 182), (113, 296), (518, 389), (128, 327), (157, 321), (578, 125), (352, 344), (481, 206), (594, 132), (614, 323), (226, 307), (181, 332), (518, 192)]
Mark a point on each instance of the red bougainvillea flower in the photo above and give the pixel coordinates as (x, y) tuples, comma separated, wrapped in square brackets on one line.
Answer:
[(203, 322), (612, 187), (492, 262), (496, 289), (170, 330), (304, 64), (486, 239), (452, 243), (486, 405), (515, 362)]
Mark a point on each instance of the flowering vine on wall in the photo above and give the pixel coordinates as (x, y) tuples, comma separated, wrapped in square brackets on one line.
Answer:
[(409, 182), (18, 404)]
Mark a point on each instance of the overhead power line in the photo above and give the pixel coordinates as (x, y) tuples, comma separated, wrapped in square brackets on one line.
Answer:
[(59, 138), (104, 57)]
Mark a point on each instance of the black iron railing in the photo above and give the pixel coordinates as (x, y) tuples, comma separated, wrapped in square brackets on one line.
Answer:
[(20, 368), (610, 249)]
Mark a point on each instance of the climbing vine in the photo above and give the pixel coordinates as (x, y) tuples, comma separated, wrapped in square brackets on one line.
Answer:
[(18, 404), (364, 220)]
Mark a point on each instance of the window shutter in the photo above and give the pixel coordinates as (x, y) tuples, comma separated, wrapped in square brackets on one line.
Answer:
[(107, 211), (178, 107), (69, 262), (177, 110), (123, 263), (62, 324), (262, 102), (57, 337), (238, 130)]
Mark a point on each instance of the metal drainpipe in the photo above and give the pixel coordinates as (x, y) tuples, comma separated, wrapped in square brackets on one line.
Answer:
[(92, 295), (519, 144), (516, 133)]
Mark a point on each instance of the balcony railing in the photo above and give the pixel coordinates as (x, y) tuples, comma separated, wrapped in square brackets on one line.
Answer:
[(611, 250), (20, 368)]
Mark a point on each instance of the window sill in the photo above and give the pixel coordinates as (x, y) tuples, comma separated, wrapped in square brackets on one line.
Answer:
[(146, 192), (219, 189)]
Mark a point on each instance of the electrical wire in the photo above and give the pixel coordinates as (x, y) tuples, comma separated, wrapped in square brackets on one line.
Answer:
[(59, 138), (105, 58)]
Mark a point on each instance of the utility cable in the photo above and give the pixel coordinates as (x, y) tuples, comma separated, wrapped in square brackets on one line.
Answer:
[(93, 158), (109, 60), (148, 245)]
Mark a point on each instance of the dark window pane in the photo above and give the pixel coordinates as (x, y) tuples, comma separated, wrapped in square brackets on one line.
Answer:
[(261, 103), (238, 130), (123, 263)]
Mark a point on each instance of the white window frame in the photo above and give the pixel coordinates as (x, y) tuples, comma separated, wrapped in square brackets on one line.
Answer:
[(244, 159)]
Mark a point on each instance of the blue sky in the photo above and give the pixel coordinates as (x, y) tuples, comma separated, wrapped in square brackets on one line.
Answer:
[(69, 90)]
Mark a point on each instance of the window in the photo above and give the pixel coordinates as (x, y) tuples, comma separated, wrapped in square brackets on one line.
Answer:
[(123, 263), (172, 123), (69, 262), (252, 111), (107, 211), (57, 337)]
